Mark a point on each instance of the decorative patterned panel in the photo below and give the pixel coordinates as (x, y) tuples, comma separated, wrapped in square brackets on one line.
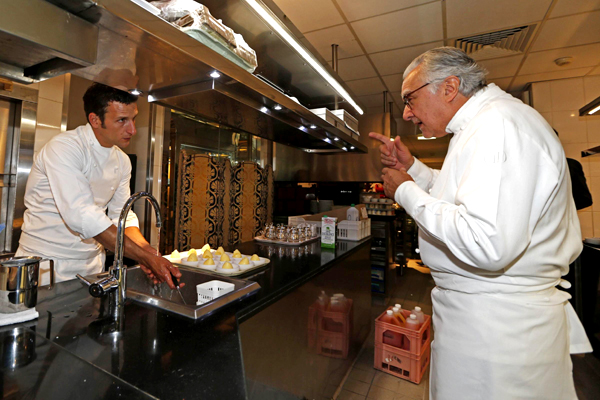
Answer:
[(221, 204)]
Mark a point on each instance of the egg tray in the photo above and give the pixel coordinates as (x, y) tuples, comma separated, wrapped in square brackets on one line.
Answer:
[(184, 255), (262, 239)]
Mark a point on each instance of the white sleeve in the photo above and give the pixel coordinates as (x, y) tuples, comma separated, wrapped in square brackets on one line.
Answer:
[(503, 187), (424, 176), (63, 165), (115, 205)]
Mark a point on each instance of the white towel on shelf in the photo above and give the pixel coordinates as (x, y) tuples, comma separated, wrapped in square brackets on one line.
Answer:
[(15, 318)]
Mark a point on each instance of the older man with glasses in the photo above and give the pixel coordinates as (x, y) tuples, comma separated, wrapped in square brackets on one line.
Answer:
[(498, 229)]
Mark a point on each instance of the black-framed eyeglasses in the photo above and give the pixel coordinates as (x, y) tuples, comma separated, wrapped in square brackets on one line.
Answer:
[(406, 99)]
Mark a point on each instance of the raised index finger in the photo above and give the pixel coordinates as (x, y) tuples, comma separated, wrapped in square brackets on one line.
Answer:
[(378, 136)]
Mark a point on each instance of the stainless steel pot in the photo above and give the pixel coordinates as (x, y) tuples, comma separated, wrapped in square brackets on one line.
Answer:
[(19, 278)]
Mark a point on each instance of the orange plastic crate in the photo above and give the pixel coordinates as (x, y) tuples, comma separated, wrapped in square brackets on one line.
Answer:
[(330, 321), (417, 340), (401, 364), (328, 344)]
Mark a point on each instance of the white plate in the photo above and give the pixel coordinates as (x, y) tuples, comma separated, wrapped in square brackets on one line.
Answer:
[(234, 270), (184, 261), (208, 267)]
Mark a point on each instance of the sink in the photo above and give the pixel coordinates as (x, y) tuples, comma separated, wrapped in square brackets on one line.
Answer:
[(141, 290)]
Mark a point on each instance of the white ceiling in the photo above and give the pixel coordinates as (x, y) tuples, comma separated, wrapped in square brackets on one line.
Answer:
[(378, 39)]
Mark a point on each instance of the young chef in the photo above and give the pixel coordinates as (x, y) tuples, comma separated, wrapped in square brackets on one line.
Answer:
[(498, 228), (77, 187)]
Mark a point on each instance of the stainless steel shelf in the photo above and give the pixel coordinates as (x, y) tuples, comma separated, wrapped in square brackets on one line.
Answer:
[(139, 50)]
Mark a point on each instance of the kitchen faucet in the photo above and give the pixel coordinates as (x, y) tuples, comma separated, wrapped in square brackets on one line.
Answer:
[(116, 279)]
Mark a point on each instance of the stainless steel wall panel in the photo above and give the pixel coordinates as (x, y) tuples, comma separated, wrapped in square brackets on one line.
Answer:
[(299, 166)]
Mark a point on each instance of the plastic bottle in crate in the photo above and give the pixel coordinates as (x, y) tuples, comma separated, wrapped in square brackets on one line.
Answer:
[(390, 337), (398, 314), (323, 301), (420, 315), (412, 322)]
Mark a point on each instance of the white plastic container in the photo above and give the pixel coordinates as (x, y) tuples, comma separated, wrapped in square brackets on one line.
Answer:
[(212, 289), (420, 315), (352, 214), (412, 322)]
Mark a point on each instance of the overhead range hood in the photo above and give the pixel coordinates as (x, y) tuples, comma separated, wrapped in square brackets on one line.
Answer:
[(137, 50), (32, 50)]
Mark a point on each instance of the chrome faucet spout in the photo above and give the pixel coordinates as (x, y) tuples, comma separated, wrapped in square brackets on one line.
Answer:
[(117, 270)]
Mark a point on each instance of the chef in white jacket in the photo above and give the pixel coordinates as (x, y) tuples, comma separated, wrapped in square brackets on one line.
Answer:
[(78, 185), (498, 228)]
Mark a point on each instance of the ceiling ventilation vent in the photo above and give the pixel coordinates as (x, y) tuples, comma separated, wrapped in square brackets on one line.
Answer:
[(496, 44)]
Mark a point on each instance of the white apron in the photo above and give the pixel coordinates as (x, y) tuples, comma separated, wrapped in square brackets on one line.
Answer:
[(504, 346)]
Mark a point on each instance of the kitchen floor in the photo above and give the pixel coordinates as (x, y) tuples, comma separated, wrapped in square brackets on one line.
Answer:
[(413, 288), (365, 382)]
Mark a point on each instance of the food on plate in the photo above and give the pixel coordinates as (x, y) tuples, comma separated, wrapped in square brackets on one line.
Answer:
[(192, 255), (244, 261), (204, 248), (225, 257), (175, 254), (220, 250), (209, 261), (255, 257), (207, 254), (227, 265), (237, 254)]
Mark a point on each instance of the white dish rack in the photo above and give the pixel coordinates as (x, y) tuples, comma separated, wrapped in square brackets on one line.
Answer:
[(345, 230), (211, 290)]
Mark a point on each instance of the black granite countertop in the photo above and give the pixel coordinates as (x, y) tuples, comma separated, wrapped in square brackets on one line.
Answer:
[(148, 353)]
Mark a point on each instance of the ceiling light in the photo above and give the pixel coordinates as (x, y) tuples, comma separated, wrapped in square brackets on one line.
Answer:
[(590, 108), (215, 74), (135, 92), (352, 147), (268, 17), (150, 98), (344, 148), (264, 109), (313, 127), (327, 140), (336, 139), (277, 107), (562, 61)]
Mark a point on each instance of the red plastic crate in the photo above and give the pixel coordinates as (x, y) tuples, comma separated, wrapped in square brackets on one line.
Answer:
[(334, 345), (330, 321), (417, 340), (401, 364)]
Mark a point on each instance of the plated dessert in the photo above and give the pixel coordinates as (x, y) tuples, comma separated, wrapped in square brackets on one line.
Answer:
[(218, 260)]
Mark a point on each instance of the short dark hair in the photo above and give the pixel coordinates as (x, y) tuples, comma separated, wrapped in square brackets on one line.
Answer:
[(98, 96)]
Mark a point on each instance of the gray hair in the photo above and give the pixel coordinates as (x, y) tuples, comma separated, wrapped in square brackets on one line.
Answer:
[(442, 62)]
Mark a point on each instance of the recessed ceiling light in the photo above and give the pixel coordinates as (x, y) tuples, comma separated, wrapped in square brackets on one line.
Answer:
[(150, 98), (352, 147), (264, 109), (135, 92), (277, 107), (336, 139), (215, 74), (344, 148), (313, 127)]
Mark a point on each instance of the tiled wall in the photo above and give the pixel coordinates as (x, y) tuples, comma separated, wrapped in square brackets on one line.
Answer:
[(559, 102)]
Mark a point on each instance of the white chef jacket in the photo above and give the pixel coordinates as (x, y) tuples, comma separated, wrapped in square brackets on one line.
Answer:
[(75, 191), (498, 228)]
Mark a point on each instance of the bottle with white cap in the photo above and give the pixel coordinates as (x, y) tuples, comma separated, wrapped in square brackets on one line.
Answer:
[(398, 314), (412, 322), (420, 315)]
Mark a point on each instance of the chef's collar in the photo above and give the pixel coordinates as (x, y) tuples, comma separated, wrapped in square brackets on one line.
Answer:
[(466, 113), (93, 140)]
